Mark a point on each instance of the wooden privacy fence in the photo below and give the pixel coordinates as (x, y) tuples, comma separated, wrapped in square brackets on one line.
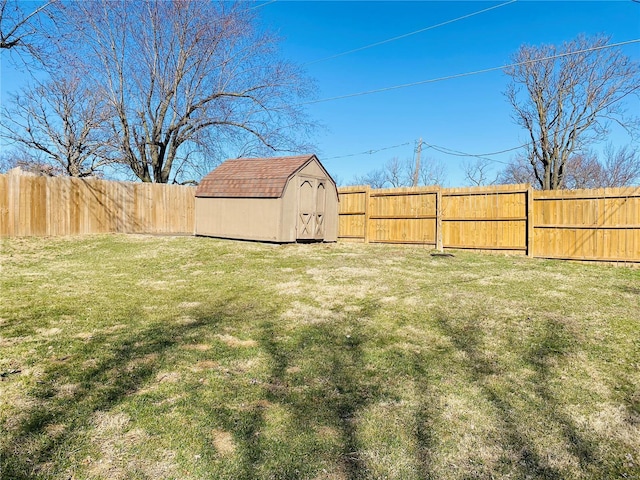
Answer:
[(599, 224), (602, 224), (43, 206)]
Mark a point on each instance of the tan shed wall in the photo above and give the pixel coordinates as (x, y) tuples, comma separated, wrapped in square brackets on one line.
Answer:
[(312, 170), (289, 212), (332, 219), (240, 218), (331, 208)]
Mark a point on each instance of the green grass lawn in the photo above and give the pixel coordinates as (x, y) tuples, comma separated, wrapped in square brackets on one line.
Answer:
[(194, 358)]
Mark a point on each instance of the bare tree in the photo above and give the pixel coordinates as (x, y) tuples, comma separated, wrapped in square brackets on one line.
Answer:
[(566, 97), (338, 179), (394, 173), (374, 178), (397, 173), (21, 29), (65, 121), (621, 166), (432, 172), (478, 172), (402, 174), (27, 161), (518, 171), (175, 74), (618, 168), (6, 162), (583, 171)]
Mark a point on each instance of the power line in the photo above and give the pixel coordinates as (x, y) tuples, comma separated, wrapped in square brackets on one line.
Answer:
[(368, 152), (399, 37), (482, 156), (475, 72), (438, 148), (262, 4), (462, 154)]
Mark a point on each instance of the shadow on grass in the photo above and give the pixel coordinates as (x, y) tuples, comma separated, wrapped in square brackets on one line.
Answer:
[(105, 370), (633, 290), (247, 426), (304, 418), (341, 387), (426, 413), (318, 373), (551, 342), (321, 375)]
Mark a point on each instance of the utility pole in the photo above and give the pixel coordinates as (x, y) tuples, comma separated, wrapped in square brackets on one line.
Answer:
[(416, 172)]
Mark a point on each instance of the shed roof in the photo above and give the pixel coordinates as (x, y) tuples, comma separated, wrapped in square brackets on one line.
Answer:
[(252, 177)]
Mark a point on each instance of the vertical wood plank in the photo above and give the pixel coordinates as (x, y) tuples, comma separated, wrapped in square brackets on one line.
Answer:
[(530, 222), (439, 237), (367, 213)]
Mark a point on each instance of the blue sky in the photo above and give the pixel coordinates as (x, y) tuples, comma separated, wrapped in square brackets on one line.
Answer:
[(466, 114)]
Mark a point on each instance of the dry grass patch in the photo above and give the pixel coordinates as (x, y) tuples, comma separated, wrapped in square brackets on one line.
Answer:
[(289, 288), (223, 442), (187, 305), (48, 332), (309, 314), (168, 377), (232, 341), (122, 453), (201, 347), (204, 365)]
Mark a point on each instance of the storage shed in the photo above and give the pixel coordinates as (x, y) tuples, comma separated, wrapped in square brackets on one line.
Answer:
[(283, 199)]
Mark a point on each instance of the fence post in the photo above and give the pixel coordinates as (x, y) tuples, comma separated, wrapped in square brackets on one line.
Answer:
[(367, 198), (530, 219), (439, 244)]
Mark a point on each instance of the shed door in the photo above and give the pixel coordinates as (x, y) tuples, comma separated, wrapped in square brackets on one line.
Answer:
[(320, 201), (311, 206)]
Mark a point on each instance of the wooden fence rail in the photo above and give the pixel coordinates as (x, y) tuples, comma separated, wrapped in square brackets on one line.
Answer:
[(44, 206), (601, 225)]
